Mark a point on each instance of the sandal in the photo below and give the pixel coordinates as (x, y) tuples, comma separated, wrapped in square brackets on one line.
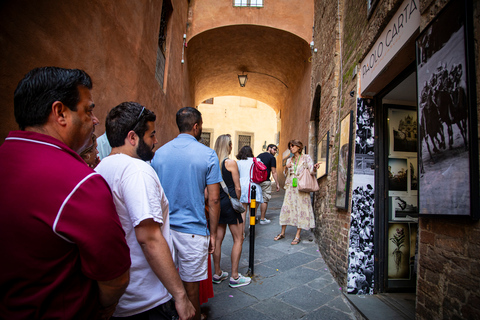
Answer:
[(279, 237), (295, 241)]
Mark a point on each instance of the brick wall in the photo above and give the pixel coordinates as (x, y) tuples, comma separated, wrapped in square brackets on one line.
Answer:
[(325, 77)]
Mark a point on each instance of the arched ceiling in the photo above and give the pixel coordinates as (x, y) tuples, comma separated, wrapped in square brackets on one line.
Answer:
[(274, 61)]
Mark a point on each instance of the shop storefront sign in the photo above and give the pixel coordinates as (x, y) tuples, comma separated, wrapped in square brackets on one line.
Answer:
[(402, 26)]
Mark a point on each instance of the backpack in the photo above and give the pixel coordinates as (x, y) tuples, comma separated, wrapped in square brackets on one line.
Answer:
[(258, 171)]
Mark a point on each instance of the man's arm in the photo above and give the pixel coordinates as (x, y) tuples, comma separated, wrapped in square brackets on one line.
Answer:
[(214, 212), (110, 292), (275, 177), (158, 255)]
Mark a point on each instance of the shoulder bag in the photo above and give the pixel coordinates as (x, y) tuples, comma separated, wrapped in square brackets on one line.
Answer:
[(236, 204), (307, 182)]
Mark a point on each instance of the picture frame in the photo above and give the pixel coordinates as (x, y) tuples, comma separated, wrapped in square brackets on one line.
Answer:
[(403, 208), (397, 176), (370, 7), (344, 162), (412, 175), (402, 130), (322, 155), (399, 242), (447, 126)]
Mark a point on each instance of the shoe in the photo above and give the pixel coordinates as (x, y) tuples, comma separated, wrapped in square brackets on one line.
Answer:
[(265, 221), (240, 282), (279, 237), (295, 241), (217, 279)]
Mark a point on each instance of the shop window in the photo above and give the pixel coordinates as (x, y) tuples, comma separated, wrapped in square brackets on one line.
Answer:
[(162, 42)]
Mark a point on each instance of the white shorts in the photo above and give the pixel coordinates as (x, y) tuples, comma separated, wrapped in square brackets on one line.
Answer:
[(191, 253)]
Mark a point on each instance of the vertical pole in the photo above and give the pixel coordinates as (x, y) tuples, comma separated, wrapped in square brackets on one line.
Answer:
[(253, 205)]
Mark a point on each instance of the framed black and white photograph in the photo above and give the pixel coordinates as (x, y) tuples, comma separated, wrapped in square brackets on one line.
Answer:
[(403, 208), (402, 129), (412, 176), (448, 151), (344, 162), (322, 155), (398, 176), (398, 251)]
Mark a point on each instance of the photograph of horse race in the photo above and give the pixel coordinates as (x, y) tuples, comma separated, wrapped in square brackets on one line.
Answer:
[(443, 111)]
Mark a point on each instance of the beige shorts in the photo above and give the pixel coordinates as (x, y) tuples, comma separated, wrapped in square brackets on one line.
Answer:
[(191, 254), (266, 190)]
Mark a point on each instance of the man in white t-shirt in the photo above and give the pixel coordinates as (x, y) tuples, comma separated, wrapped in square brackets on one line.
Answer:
[(143, 210)]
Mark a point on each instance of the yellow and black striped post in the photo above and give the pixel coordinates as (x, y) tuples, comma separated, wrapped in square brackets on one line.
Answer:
[(253, 205)]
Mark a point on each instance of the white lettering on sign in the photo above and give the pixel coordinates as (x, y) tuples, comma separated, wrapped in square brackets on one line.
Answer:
[(403, 24)]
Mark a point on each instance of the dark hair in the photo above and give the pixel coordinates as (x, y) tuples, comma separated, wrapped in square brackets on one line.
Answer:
[(244, 153), (186, 119), (125, 117), (271, 146), (297, 143), (41, 87)]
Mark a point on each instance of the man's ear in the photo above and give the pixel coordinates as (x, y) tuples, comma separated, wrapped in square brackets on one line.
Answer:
[(131, 138), (60, 113)]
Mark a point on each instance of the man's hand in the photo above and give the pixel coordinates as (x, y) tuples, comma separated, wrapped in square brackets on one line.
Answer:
[(185, 308), (211, 245)]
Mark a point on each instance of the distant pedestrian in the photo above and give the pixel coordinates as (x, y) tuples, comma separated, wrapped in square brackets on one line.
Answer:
[(143, 210), (228, 216), (63, 249), (103, 146), (185, 168), (245, 162), (268, 158), (297, 209)]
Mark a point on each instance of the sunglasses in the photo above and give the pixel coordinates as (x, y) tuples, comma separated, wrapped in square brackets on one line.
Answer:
[(138, 120)]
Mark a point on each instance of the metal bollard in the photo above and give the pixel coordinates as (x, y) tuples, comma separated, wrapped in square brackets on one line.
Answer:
[(253, 204)]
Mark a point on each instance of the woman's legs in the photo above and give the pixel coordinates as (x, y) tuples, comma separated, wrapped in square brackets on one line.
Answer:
[(218, 248), (297, 235), (296, 240), (237, 234), (282, 233), (244, 215)]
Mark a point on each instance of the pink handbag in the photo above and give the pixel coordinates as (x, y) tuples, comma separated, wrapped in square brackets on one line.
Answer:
[(307, 182)]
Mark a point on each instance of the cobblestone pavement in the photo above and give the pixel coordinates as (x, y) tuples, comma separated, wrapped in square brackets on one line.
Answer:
[(289, 281)]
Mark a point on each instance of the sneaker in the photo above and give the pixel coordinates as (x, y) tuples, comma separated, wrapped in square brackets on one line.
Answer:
[(217, 279), (264, 221), (240, 282)]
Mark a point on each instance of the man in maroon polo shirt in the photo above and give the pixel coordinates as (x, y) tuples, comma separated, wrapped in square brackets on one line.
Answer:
[(63, 249)]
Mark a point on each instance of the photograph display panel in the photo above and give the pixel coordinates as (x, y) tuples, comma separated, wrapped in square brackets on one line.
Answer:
[(344, 162), (322, 155), (402, 124), (448, 156)]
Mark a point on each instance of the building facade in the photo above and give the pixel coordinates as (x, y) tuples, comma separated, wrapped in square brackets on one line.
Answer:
[(410, 221)]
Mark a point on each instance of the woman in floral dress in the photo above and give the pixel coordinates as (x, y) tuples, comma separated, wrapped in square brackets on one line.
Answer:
[(297, 208)]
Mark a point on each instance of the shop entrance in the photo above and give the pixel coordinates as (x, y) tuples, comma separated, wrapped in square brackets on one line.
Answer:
[(397, 184)]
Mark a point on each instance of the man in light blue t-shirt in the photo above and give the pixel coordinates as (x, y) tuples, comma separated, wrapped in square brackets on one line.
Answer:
[(185, 168)]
